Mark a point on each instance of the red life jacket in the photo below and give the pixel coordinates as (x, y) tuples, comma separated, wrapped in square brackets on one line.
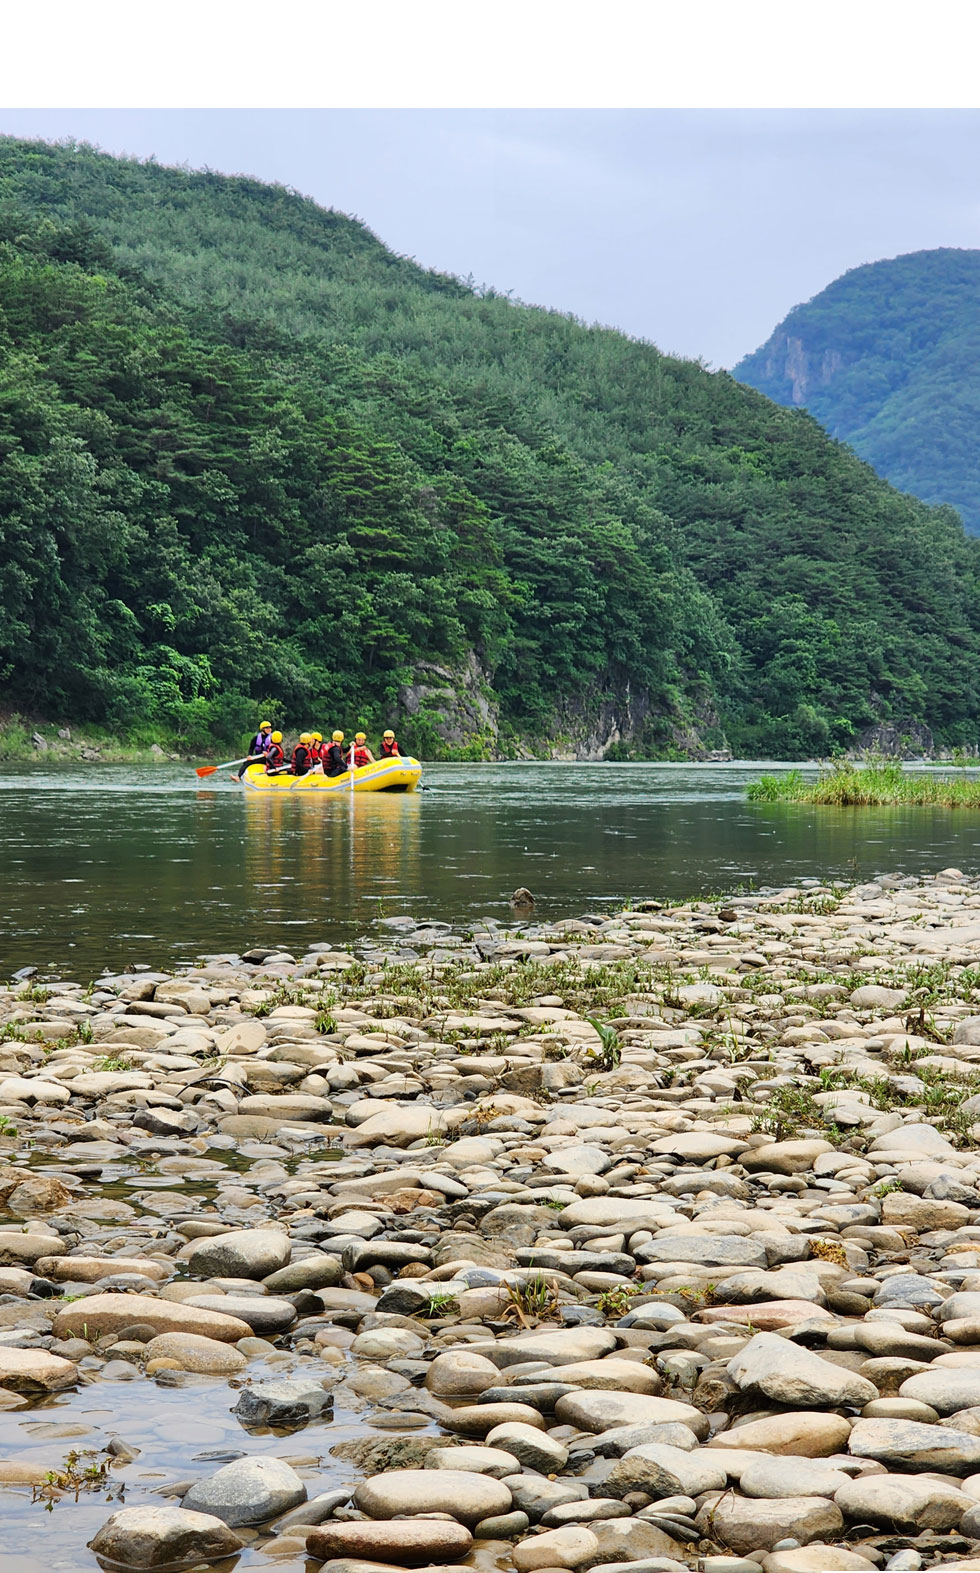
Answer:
[(274, 756), (360, 756), (301, 760), (389, 748)]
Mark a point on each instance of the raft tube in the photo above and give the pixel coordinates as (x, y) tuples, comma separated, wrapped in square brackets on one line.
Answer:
[(400, 774)]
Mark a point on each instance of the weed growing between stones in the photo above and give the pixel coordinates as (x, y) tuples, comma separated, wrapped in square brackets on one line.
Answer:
[(75, 1476), (532, 1301)]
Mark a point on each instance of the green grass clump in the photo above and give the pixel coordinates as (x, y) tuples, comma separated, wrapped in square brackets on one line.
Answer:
[(876, 783)]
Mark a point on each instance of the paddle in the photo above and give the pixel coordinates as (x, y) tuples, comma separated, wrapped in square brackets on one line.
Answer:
[(208, 770)]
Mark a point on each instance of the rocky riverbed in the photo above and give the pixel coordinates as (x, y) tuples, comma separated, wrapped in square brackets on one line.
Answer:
[(648, 1242)]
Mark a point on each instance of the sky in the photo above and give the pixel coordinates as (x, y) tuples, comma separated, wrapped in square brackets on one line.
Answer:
[(696, 229)]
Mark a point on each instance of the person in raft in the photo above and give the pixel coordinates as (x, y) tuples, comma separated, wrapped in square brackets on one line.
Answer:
[(274, 756), (316, 753), (333, 757), (302, 759), (257, 748), (362, 754), (389, 746)]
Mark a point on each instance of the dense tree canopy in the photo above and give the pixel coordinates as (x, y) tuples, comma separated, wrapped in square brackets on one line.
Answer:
[(247, 454), (886, 359)]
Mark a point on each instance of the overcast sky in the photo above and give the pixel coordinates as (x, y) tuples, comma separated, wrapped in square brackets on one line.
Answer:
[(697, 229)]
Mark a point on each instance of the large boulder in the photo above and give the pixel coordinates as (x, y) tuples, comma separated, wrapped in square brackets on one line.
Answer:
[(247, 1491), (790, 1375), (599, 1411), (241, 1253), (109, 1313), (408, 1542), (161, 1538), (35, 1370), (907, 1444), (466, 1496), (745, 1524), (901, 1502), (804, 1434)]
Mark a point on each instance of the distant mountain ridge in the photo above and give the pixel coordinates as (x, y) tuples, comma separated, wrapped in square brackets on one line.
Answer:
[(887, 358)]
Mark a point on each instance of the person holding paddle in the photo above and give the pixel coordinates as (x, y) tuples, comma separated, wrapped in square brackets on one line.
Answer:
[(258, 748)]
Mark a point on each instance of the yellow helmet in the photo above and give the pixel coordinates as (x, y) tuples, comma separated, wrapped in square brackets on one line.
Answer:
[(338, 737), (389, 733), (305, 737), (318, 737), (265, 726), (360, 738), (277, 737)]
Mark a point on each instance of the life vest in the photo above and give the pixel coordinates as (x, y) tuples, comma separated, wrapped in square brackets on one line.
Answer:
[(260, 742), (334, 759), (301, 760), (389, 750), (274, 756), (360, 756)]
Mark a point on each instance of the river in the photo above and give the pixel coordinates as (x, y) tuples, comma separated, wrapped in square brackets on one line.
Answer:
[(111, 865)]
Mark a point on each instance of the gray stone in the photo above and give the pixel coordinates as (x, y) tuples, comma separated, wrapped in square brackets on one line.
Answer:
[(910, 1291), (575, 1546), (872, 996), (533, 1449), (708, 1250), (901, 1502), (584, 1512), (536, 1495), (264, 1313), (241, 1253), (504, 1526), (790, 1375), (665, 1471), (247, 1491), (492, 1461), (945, 1389), (600, 1411), (790, 1477), (287, 1402), (620, 1439), (319, 1271), (758, 1523), (560, 1346), (908, 1445)]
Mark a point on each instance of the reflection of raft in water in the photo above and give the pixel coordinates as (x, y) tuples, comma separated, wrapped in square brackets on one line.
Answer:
[(385, 775)]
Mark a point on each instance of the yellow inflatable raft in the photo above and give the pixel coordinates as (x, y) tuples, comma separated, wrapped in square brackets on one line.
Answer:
[(385, 775)]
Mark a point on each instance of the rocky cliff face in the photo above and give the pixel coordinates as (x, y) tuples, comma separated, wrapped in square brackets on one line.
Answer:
[(802, 370), (455, 714)]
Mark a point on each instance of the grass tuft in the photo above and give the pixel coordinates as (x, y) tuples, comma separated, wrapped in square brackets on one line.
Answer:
[(876, 783)]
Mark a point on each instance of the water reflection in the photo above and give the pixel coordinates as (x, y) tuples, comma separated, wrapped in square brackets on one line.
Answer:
[(349, 847)]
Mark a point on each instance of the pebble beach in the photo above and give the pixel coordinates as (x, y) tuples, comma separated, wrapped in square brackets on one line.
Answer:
[(642, 1243)]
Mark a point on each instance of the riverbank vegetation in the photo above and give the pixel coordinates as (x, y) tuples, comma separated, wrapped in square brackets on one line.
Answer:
[(252, 460), (22, 739), (878, 783)]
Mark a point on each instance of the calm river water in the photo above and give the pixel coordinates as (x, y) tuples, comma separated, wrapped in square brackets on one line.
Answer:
[(105, 865)]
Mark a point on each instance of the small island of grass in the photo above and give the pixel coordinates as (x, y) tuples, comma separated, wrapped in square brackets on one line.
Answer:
[(876, 783)]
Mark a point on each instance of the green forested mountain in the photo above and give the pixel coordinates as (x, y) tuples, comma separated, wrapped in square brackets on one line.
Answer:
[(887, 360), (247, 455)]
